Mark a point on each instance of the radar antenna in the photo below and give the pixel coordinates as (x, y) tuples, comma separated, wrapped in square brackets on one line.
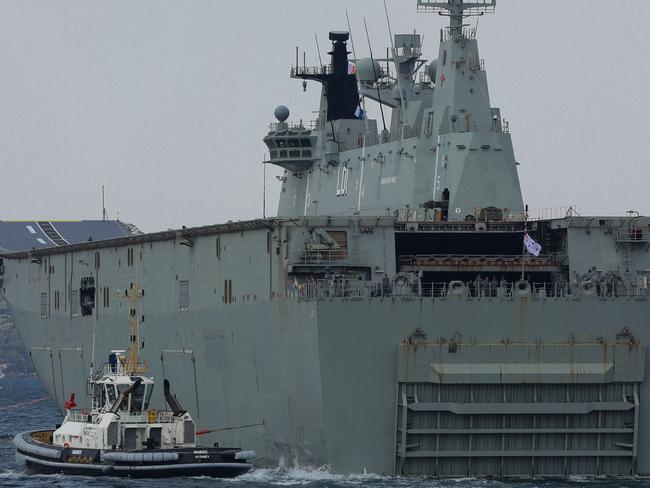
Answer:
[(457, 10)]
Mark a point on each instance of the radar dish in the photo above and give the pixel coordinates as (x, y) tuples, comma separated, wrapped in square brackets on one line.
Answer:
[(281, 113), (339, 36)]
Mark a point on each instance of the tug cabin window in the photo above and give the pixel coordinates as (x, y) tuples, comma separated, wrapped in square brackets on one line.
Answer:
[(147, 397), (112, 396), (125, 404), (137, 399), (100, 394)]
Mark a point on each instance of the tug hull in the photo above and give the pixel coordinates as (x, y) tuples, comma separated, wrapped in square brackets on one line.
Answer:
[(46, 458)]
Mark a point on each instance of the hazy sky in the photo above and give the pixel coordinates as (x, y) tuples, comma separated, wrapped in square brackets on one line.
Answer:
[(166, 102)]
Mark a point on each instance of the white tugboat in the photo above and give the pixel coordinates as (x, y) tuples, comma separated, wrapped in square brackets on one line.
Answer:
[(120, 435)]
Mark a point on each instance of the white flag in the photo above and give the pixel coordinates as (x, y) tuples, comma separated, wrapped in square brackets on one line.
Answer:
[(531, 245)]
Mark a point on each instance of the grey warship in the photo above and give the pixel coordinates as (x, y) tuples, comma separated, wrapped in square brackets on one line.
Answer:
[(389, 319)]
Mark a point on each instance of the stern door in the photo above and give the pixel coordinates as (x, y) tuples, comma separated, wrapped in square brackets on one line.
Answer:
[(518, 409)]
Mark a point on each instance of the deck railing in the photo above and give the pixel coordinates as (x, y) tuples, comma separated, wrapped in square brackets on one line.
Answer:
[(633, 235), (318, 256), (405, 288), (481, 261), (161, 416)]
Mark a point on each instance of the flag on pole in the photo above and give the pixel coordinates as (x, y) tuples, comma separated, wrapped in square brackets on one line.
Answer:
[(352, 69), (533, 247)]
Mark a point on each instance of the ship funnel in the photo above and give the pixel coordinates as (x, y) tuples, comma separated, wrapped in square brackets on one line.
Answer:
[(340, 90)]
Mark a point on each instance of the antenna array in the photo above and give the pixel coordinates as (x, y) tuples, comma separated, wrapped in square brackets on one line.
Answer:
[(456, 7)]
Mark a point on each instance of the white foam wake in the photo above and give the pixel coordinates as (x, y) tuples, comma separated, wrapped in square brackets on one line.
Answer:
[(292, 476)]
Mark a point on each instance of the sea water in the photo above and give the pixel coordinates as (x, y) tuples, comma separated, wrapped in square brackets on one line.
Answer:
[(24, 406)]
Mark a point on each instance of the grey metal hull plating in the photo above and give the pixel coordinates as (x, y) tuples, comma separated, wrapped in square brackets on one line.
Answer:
[(323, 376)]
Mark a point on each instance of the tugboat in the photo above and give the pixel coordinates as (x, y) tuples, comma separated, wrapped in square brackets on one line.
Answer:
[(120, 435)]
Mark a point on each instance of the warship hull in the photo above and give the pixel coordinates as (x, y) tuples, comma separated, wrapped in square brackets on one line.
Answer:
[(438, 381), (403, 314)]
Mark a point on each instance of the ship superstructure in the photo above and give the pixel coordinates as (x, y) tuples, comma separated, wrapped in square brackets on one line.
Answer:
[(389, 319), (448, 153)]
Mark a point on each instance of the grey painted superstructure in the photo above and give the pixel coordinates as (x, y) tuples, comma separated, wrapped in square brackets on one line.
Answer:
[(388, 320)]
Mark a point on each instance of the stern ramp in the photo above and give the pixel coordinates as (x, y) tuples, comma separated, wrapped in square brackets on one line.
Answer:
[(522, 409)]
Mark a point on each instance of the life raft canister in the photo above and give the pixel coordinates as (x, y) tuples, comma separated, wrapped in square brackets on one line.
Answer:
[(456, 287), (588, 287), (523, 288)]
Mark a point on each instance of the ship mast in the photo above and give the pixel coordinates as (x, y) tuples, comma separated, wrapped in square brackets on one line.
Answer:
[(457, 10), (133, 365)]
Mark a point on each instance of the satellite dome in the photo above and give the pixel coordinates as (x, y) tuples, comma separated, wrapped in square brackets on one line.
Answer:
[(368, 70), (281, 113)]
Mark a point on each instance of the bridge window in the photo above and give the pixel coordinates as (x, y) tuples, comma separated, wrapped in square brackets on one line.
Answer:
[(305, 142), (294, 143), (294, 154)]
